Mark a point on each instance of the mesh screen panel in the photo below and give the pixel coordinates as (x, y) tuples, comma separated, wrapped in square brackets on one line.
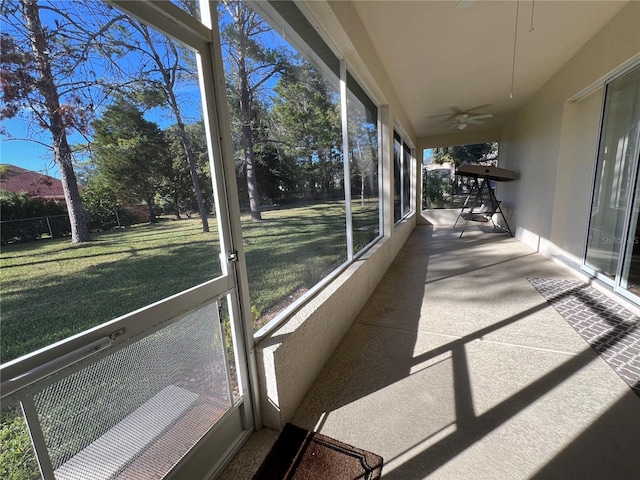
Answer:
[(136, 412)]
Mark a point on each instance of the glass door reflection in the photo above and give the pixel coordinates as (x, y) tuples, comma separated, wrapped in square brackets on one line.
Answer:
[(613, 253)]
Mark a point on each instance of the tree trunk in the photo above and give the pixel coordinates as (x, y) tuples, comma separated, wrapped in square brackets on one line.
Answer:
[(362, 171), (186, 142), (75, 209), (61, 149), (191, 161), (247, 141), (176, 204), (151, 210), (182, 131)]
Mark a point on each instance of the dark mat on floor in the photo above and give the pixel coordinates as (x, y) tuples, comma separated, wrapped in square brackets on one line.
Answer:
[(299, 454), (611, 330)]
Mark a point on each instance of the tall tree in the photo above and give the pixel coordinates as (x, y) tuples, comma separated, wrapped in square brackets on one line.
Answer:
[(363, 146), (131, 153), (306, 119), (460, 154), (251, 64), (177, 188), (40, 82), (163, 68)]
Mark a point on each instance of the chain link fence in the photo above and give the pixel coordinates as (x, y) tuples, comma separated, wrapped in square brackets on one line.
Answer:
[(27, 229), (57, 226)]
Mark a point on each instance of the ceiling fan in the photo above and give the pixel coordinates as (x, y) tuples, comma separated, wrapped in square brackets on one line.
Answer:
[(461, 118)]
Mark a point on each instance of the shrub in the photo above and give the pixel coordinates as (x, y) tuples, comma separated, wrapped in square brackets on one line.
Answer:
[(435, 189), (102, 207), (24, 211)]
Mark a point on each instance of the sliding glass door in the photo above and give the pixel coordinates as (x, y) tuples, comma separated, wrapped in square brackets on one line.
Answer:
[(613, 250), (630, 279)]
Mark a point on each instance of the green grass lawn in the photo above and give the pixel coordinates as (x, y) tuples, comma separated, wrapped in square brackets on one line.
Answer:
[(52, 289)]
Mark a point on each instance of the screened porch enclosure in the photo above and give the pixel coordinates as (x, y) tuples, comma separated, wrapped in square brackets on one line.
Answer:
[(124, 356), (135, 411), (302, 125), (141, 369)]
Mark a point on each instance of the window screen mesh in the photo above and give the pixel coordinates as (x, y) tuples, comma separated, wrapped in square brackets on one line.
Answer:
[(136, 412)]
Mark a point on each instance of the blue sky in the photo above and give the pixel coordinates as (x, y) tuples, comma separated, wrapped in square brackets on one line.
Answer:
[(26, 154), (33, 155), (24, 144), (31, 158), (427, 156)]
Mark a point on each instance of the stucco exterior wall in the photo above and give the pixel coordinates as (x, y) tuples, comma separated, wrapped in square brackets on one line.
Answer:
[(290, 359), (552, 142), (576, 163)]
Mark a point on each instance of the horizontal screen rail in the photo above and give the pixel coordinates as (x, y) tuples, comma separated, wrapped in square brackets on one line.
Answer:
[(22, 372), (14, 384)]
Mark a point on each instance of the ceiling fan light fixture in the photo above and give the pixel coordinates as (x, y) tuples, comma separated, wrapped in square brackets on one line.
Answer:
[(461, 118)]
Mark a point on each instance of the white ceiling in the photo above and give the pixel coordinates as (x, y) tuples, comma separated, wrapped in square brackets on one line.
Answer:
[(440, 57)]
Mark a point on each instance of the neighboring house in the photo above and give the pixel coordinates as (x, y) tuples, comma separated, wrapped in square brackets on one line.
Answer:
[(20, 180), (442, 169)]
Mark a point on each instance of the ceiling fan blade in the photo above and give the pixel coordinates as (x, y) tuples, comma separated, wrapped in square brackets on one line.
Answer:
[(459, 116), (474, 122), (439, 115), (479, 107), (480, 116)]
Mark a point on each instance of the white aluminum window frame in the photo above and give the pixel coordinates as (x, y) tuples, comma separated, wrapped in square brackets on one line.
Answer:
[(20, 377), (276, 21), (411, 172)]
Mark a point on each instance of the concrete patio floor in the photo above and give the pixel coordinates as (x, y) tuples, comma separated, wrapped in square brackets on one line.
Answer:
[(457, 368)]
